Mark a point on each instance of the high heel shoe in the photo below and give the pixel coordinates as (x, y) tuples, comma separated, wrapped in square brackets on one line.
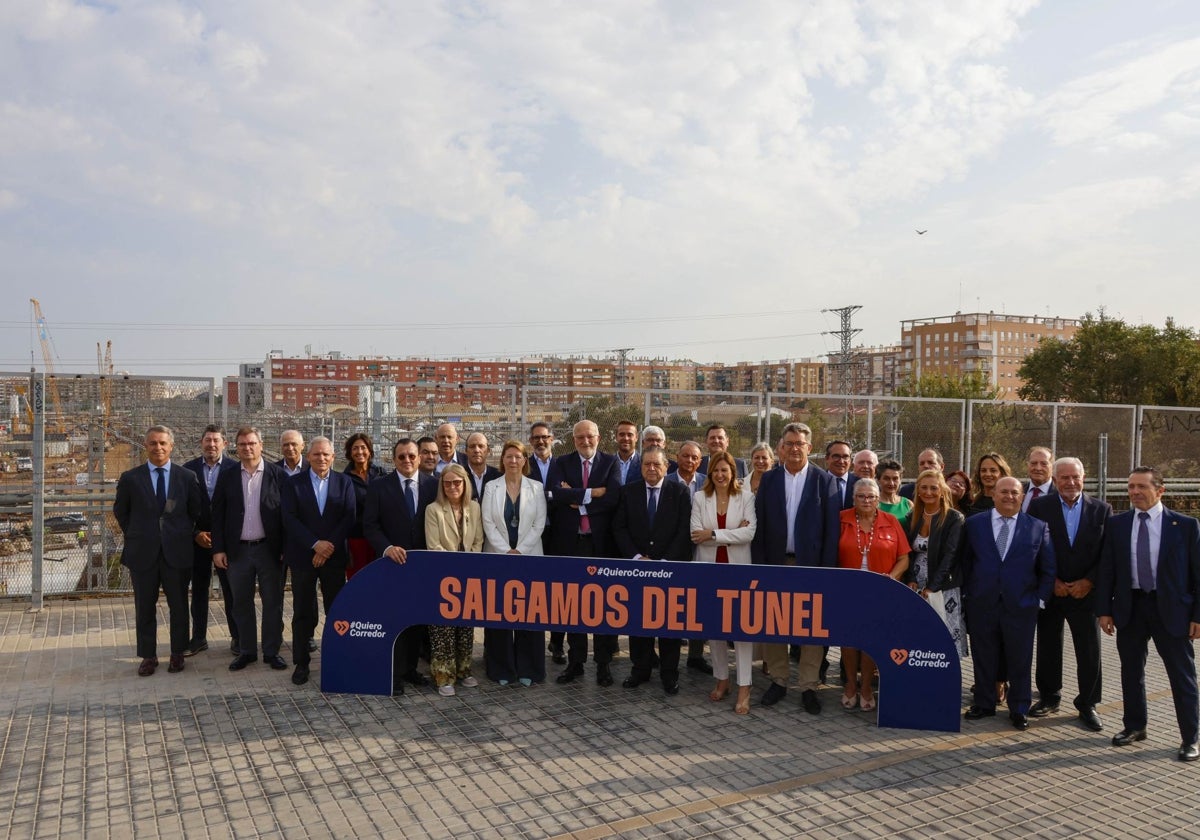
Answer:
[(718, 693), (867, 705), (849, 703), (742, 707)]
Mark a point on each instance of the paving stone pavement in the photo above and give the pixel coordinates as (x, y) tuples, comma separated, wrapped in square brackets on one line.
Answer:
[(92, 750)]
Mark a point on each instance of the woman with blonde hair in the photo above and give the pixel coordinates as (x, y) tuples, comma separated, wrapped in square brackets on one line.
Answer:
[(452, 523)]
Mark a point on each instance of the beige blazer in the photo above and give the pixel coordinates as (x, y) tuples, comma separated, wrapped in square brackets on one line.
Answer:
[(736, 539), (441, 529), (532, 520)]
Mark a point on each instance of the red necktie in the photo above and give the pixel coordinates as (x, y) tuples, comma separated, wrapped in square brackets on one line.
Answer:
[(585, 527)]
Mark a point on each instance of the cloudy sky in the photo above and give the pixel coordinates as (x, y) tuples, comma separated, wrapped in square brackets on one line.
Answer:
[(201, 182)]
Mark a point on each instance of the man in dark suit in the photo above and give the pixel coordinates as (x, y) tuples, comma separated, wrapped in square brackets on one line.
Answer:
[(629, 462), (318, 513), (447, 443), (248, 541), (927, 459), (427, 454), (1149, 588), (157, 507), (717, 440), (291, 445), (394, 524), (207, 469), (477, 466), (1038, 468), (652, 522), (1008, 573), (688, 474), (581, 494), (797, 526), (1076, 523), (837, 463), (541, 441)]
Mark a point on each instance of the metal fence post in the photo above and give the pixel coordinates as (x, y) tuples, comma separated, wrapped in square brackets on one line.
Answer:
[(38, 526), (1102, 458)]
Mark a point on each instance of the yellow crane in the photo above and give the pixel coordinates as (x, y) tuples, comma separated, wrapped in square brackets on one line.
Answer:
[(48, 357)]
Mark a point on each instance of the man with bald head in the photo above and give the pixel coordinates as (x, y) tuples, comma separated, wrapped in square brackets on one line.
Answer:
[(581, 494), (478, 469), (865, 462), (1008, 574), (928, 459), (291, 446), (1041, 479), (447, 443)]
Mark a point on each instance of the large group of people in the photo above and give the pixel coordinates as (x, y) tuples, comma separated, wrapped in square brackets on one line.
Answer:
[(1003, 562)]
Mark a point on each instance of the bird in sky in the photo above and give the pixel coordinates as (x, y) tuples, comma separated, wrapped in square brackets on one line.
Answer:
[(922, 232)]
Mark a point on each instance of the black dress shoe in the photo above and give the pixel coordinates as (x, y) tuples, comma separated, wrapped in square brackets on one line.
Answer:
[(300, 675), (242, 660), (569, 675), (603, 675), (1043, 707), (975, 713), (176, 663), (556, 655), (147, 666), (811, 704), (1127, 736), (1189, 752), (1091, 720), (415, 677), (632, 681), (276, 662), (195, 647), (772, 695), (671, 688), (700, 665), (234, 647), (1019, 721)]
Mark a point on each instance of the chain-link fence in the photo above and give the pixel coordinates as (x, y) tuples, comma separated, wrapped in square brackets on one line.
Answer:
[(57, 534)]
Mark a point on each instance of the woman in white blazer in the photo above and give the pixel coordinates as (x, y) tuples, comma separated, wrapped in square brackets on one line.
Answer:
[(723, 524), (514, 516)]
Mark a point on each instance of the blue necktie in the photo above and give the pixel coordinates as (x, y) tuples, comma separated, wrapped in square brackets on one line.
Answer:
[(1145, 573), (652, 507), (161, 490), (322, 494), (1002, 537), (409, 505)]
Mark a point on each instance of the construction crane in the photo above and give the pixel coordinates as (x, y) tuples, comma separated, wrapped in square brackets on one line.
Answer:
[(48, 358), (98, 437)]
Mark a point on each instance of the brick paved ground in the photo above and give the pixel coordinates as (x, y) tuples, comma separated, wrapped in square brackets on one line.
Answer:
[(90, 749)]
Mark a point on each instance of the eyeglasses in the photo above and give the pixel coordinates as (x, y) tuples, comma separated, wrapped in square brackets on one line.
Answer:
[(453, 483), (541, 437), (406, 456)]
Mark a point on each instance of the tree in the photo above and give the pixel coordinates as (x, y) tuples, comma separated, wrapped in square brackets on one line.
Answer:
[(1109, 361), (968, 386)]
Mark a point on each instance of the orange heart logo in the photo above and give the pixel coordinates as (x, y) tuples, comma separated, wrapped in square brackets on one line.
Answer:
[(591, 570), (899, 655), (342, 627)]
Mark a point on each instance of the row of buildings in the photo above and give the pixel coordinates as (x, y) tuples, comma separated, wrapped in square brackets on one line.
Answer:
[(977, 343)]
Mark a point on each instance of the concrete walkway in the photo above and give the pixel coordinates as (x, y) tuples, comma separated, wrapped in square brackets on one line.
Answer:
[(91, 750)]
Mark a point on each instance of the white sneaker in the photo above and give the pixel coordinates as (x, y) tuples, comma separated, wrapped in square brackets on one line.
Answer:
[(469, 682), (446, 690)]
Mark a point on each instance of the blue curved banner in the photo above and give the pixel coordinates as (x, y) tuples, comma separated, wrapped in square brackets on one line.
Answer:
[(918, 665)]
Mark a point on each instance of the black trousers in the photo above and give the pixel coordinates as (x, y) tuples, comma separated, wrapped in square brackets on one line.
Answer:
[(146, 584), (1178, 658), (603, 647), (1002, 649), (202, 573), (641, 654), (1079, 615), (510, 655), (332, 577)]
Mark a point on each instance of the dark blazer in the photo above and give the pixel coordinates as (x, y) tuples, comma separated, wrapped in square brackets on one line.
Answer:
[(564, 519), (1026, 486), (149, 533), (304, 524), (229, 508), (196, 465), (634, 473), (817, 525), (1177, 583), (945, 543), (489, 474), (851, 480), (670, 538), (282, 463), (385, 516), (459, 458), (699, 478), (535, 469), (1015, 585), (1081, 560), (741, 466), (374, 472)]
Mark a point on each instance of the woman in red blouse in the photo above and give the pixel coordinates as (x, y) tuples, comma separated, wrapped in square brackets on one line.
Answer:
[(871, 540)]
